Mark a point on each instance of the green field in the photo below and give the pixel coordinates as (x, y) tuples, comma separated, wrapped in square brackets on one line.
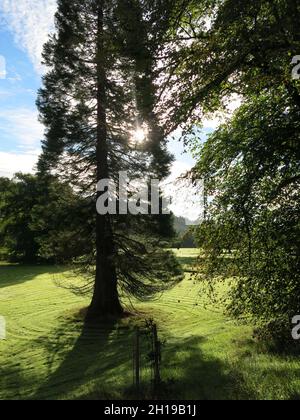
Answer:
[(49, 354)]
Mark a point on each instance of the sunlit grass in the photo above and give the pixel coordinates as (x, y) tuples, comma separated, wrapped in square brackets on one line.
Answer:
[(49, 355)]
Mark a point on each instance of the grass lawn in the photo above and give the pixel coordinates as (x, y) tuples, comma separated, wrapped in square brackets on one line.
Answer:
[(49, 354)]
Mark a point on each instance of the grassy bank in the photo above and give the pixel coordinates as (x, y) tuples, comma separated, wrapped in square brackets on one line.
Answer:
[(48, 353)]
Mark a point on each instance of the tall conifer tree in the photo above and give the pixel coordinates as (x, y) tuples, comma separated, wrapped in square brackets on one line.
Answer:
[(98, 91)]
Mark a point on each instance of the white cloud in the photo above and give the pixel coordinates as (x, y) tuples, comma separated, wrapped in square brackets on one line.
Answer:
[(22, 126), (212, 123), (10, 163), (187, 200), (232, 104), (30, 21), (178, 169)]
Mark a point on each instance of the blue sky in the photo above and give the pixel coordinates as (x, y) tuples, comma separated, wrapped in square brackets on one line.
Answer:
[(24, 28), (17, 98)]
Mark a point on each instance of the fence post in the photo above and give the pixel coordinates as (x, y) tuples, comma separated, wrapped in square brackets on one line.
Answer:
[(136, 360), (157, 357)]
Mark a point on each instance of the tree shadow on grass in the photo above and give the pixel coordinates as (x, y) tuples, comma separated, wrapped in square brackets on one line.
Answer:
[(187, 263), (12, 275), (196, 377), (201, 377), (96, 363), (84, 362)]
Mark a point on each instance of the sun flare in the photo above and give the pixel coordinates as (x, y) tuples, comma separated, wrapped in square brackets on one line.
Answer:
[(140, 135)]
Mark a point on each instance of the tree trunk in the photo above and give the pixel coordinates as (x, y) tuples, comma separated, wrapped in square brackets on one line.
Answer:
[(105, 300)]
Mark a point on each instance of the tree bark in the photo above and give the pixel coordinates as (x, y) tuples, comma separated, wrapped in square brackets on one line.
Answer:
[(105, 300)]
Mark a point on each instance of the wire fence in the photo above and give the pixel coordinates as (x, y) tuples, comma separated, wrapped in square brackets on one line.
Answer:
[(147, 360)]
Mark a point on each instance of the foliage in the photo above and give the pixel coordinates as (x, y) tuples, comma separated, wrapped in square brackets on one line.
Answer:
[(243, 50), (228, 49), (40, 218), (252, 233)]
